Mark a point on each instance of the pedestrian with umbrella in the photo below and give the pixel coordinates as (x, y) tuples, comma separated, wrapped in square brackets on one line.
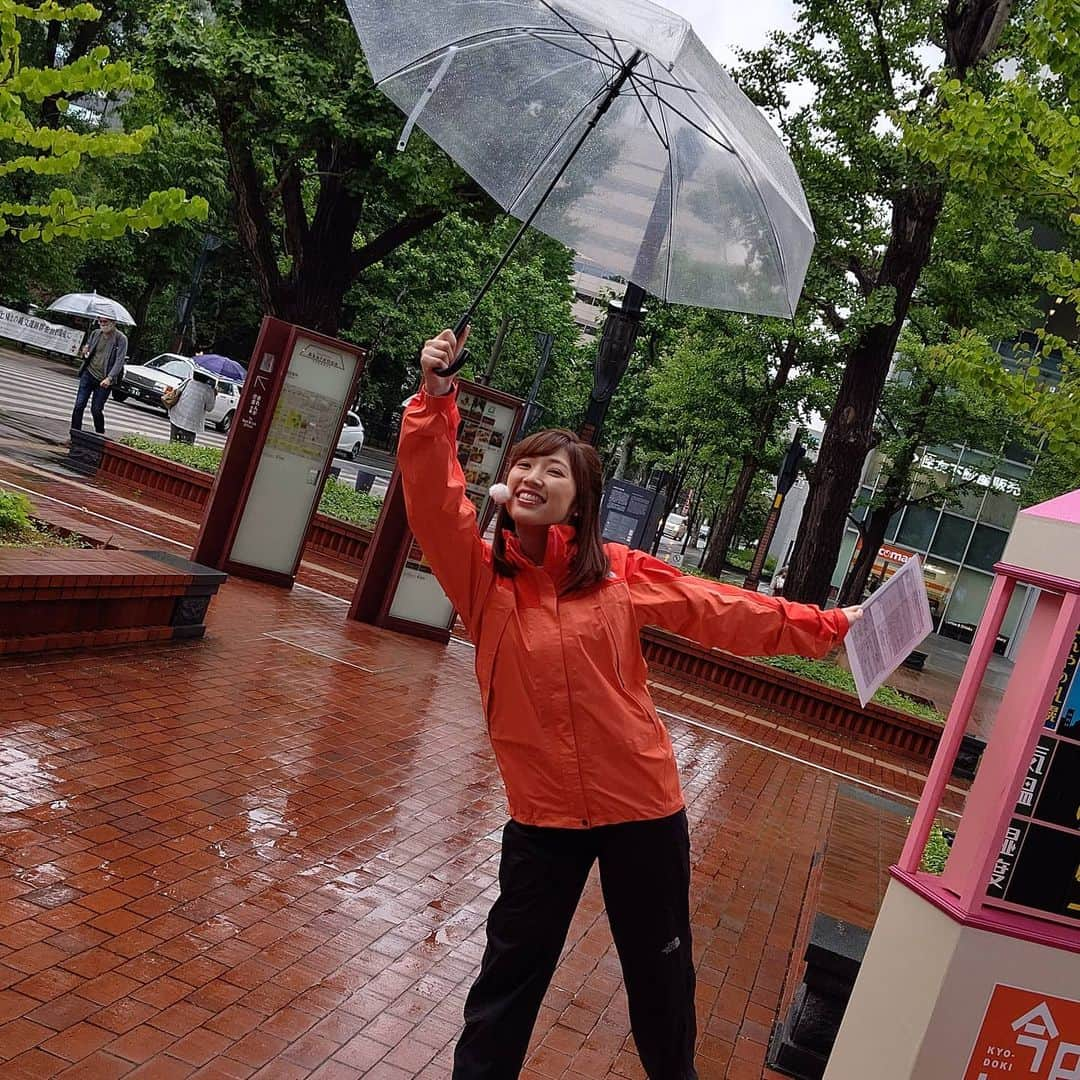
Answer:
[(103, 358), (188, 405), (103, 353), (610, 127)]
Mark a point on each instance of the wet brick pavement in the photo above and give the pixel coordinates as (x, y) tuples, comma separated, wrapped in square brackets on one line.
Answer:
[(270, 853)]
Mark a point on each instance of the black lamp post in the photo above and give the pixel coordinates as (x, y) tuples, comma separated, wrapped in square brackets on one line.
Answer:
[(612, 357)]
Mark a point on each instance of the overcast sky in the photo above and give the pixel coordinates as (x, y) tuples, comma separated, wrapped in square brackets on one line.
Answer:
[(725, 25)]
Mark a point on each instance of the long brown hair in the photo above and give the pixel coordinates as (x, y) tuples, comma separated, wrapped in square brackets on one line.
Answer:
[(589, 565)]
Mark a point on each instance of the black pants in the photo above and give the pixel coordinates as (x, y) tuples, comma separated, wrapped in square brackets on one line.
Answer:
[(645, 877), (90, 390), (179, 434)]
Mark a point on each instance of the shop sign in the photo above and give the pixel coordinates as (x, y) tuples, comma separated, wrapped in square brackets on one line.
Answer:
[(1026, 1035)]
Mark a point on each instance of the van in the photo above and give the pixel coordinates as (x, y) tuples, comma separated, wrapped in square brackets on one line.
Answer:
[(675, 526)]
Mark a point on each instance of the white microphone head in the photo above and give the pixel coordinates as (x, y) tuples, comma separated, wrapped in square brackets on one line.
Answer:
[(500, 494)]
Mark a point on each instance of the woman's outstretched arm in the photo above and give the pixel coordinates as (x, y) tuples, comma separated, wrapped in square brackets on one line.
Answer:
[(726, 617)]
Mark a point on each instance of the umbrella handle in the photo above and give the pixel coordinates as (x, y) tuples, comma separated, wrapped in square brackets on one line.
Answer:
[(452, 369), (462, 357)]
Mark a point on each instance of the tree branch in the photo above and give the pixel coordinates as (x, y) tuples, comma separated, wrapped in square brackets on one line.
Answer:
[(881, 49), (832, 317), (862, 276), (399, 233)]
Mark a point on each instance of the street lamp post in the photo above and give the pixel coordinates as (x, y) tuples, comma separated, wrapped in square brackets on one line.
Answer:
[(612, 357), (210, 242)]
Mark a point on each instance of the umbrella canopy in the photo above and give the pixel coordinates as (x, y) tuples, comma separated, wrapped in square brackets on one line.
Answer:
[(679, 185), (221, 365), (91, 306)]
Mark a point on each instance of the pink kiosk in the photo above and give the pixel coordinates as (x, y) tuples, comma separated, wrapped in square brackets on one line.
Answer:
[(975, 974)]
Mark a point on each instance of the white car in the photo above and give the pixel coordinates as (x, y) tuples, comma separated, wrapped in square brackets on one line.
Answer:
[(351, 440), (146, 382), (675, 526)]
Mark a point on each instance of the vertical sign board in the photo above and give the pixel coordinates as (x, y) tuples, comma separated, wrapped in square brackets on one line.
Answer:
[(410, 598), (630, 514), (278, 455), (1026, 1034), (1038, 866)]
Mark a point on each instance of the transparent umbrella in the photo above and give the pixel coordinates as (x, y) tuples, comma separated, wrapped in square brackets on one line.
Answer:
[(91, 306), (608, 125)]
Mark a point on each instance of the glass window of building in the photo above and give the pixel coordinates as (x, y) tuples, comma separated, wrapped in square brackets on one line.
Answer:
[(1002, 498), (987, 544), (966, 604), (894, 524), (951, 537), (940, 577), (917, 527)]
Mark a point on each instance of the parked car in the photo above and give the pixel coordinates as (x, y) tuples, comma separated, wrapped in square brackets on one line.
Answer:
[(351, 440), (675, 526), (146, 383)]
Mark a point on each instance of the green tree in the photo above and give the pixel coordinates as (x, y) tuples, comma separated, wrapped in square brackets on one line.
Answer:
[(423, 286), (60, 146), (876, 203), (1019, 138), (320, 194)]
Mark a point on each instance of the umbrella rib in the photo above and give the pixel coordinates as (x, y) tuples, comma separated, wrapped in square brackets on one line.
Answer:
[(674, 189), (722, 143), (472, 41), (539, 35), (641, 101), (574, 29)]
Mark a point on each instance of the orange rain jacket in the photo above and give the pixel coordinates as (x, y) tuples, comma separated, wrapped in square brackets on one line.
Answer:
[(562, 678)]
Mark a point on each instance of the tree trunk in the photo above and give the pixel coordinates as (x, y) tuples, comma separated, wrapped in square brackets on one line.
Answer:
[(873, 535), (849, 434), (895, 495), (724, 531)]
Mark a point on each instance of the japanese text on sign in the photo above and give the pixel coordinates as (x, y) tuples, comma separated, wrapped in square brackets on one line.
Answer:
[(1027, 1034)]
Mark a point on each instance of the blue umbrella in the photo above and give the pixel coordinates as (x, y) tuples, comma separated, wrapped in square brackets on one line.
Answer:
[(221, 365)]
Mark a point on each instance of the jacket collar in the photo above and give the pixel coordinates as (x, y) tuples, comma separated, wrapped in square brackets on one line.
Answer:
[(561, 547)]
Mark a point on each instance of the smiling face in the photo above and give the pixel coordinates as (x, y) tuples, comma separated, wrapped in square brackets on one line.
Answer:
[(542, 489)]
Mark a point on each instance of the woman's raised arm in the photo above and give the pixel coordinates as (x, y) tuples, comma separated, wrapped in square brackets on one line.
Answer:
[(441, 516)]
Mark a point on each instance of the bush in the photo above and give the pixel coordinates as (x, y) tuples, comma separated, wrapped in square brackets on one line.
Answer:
[(204, 458), (936, 852), (15, 511), (338, 500), (829, 674), (743, 557), (341, 502)]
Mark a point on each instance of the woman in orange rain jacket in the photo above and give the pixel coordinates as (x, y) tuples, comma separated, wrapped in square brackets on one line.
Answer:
[(588, 766)]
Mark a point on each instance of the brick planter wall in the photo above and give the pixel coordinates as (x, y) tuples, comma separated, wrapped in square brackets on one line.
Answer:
[(176, 482), (809, 701), (341, 539), (191, 488), (80, 598)]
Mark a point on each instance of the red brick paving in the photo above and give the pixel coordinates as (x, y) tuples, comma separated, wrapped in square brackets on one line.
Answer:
[(270, 853)]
